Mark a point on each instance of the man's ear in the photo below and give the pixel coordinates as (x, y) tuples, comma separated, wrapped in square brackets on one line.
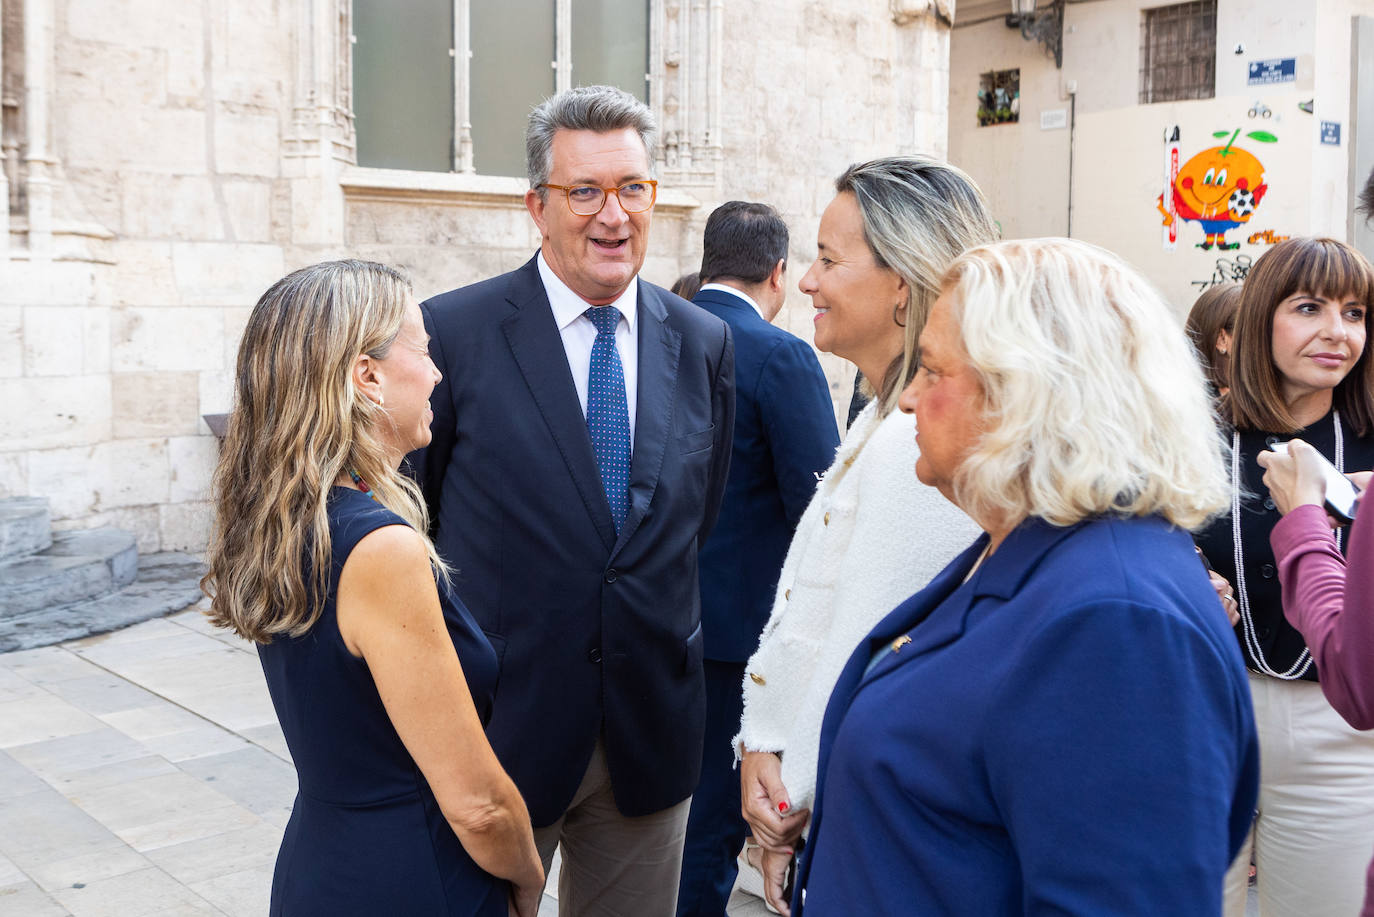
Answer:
[(779, 275), (367, 378), (535, 204)]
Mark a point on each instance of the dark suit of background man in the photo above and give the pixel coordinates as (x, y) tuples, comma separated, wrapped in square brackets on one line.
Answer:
[(784, 436), (578, 461)]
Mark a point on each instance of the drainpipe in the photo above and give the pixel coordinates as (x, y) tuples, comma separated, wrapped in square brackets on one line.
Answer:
[(1072, 87)]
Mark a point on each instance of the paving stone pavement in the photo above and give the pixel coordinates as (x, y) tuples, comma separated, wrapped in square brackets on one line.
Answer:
[(143, 774)]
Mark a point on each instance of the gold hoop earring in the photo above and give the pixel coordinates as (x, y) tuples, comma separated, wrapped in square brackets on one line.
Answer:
[(896, 311)]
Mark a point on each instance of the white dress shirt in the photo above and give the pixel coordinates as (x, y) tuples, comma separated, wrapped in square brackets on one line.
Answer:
[(579, 334), (724, 288)]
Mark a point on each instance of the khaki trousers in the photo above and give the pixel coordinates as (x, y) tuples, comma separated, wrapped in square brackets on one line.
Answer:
[(614, 866), (1314, 833)]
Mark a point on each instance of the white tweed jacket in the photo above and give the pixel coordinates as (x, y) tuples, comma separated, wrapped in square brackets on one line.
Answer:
[(872, 536)]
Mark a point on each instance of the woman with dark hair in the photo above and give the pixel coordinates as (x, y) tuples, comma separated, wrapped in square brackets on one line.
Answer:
[(1299, 369), (1210, 324), (381, 679)]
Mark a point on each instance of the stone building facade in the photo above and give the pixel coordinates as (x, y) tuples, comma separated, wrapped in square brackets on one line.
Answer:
[(163, 161)]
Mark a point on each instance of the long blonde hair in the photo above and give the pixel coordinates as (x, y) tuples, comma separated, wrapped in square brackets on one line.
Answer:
[(1095, 404), (298, 423), (919, 214)]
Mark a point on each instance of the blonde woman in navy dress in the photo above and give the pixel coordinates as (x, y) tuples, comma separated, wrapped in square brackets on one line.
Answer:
[(379, 676)]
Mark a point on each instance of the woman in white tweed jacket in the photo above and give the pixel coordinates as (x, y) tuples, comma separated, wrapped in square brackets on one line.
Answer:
[(873, 534)]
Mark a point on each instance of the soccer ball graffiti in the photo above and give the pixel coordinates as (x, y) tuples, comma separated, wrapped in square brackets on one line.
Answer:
[(1242, 202)]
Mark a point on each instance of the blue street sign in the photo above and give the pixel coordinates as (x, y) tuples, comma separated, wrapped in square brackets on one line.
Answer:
[(1331, 133), (1277, 70)]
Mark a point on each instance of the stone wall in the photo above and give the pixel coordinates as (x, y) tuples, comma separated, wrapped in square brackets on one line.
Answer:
[(196, 151)]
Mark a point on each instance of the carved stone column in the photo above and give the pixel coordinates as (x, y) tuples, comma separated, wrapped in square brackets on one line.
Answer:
[(321, 139), (38, 159), (4, 177), (11, 86), (685, 87)]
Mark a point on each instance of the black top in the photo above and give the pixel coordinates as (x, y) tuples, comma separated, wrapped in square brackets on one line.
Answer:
[(366, 835), (1279, 641)]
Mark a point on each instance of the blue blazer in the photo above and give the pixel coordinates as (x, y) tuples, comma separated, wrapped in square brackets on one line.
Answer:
[(785, 437), (598, 633), (1069, 732)]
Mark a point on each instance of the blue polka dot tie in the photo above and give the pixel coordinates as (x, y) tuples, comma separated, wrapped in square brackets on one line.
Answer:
[(608, 413)]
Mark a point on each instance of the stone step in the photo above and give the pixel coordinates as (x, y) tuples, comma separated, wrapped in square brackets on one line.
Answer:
[(77, 566), (25, 527), (166, 583)]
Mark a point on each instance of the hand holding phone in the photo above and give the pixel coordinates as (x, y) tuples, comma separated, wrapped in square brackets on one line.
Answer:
[(1302, 472)]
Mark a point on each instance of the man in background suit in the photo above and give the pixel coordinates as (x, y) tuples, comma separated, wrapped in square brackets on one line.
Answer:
[(581, 444), (785, 437)]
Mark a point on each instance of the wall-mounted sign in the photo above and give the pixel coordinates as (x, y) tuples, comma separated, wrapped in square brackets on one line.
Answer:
[(1277, 70), (1331, 133), (1054, 119)]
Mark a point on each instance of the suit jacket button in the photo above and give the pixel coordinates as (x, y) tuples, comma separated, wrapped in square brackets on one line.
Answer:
[(758, 679), (1267, 571), (594, 655), (611, 575)]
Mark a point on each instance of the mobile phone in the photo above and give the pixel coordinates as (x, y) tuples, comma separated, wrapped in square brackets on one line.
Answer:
[(1340, 493)]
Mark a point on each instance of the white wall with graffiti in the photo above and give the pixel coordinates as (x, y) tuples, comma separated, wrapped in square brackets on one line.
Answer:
[(1191, 192)]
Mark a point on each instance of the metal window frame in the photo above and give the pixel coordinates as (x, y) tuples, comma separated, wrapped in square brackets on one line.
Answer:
[(1174, 66)]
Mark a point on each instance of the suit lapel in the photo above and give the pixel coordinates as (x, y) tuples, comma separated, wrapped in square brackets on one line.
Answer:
[(538, 350), (856, 671), (915, 610), (659, 349)]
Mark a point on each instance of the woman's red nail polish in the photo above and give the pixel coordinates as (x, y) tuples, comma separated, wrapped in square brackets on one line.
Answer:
[(782, 807)]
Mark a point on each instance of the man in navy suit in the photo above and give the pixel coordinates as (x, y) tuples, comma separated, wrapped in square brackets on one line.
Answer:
[(581, 444), (785, 438)]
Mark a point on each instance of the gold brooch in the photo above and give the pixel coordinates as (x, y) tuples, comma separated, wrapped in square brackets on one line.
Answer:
[(900, 642)]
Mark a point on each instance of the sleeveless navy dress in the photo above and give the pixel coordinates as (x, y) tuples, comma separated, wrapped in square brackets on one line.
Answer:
[(366, 836)]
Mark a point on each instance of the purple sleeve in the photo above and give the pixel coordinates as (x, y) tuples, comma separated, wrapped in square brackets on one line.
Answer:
[(1333, 611)]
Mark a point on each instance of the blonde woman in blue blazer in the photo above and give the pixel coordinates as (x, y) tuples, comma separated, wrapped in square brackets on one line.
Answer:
[(1060, 722)]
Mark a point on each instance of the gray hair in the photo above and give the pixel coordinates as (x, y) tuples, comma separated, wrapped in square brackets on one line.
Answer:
[(586, 108), (919, 214)]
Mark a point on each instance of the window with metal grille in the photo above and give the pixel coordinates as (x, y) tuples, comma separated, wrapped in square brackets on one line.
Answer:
[(1178, 52)]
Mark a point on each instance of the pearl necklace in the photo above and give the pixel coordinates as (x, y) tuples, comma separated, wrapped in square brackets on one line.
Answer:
[(1304, 661)]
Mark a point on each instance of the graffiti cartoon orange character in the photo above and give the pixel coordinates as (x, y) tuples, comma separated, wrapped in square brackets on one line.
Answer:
[(1218, 188)]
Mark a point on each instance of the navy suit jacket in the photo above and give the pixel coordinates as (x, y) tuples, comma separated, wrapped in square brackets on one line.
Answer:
[(1069, 732), (598, 633), (785, 435)]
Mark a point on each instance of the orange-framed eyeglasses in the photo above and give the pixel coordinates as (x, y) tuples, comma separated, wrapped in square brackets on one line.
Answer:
[(587, 200)]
